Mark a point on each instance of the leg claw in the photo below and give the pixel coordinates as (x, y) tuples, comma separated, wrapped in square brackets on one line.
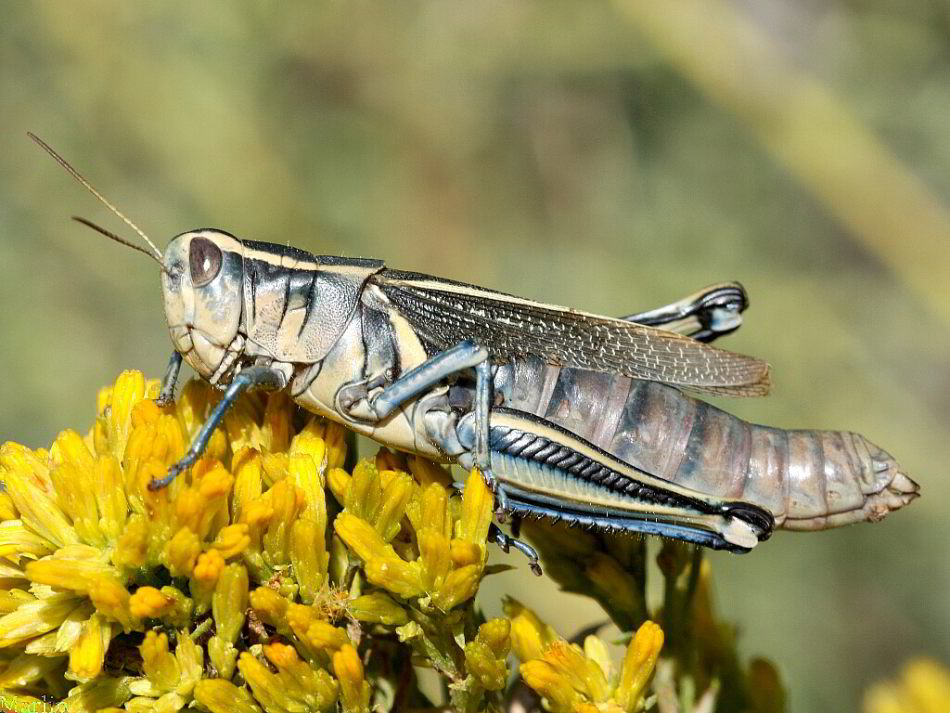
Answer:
[(173, 472), (505, 542)]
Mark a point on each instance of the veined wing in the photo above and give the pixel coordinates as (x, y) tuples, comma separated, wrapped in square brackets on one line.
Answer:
[(444, 312)]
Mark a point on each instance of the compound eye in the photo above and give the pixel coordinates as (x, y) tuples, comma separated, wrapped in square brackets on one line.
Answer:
[(204, 261)]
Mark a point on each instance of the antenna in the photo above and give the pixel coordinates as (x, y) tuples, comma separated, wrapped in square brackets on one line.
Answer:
[(75, 174), (123, 241)]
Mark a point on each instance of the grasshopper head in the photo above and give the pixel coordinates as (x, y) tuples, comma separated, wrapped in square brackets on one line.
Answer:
[(202, 285)]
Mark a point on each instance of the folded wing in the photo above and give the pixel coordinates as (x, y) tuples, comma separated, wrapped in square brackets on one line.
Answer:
[(444, 312)]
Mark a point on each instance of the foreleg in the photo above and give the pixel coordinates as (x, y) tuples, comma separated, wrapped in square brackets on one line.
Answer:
[(264, 377), (167, 393)]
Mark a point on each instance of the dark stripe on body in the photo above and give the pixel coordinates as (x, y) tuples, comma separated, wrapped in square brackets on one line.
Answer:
[(311, 300), (252, 276)]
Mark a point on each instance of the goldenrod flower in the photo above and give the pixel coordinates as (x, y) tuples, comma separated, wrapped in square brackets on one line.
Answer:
[(638, 664), (220, 696), (90, 553), (450, 534), (574, 679), (149, 603), (923, 687), (377, 608), (354, 690), (486, 655), (297, 685), (236, 589)]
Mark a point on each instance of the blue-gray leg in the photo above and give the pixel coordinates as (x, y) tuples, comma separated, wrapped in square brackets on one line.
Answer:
[(483, 399), (255, 376), (167, 394), (705, 315), (355, 402), (462, 356), (505, 542)]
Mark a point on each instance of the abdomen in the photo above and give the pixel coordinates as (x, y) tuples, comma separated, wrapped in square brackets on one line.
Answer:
[(808, 480)]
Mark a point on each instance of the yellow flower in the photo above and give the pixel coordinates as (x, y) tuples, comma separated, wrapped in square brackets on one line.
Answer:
[(220, 696), (377, 608), (486, 655), (149, 603), (234, 589), (354, 690), (88, 653), (296, 686), (270, 606), (208, 567), (554, 688), (638, 664), (529, 635), (87, 547), (451, 534), (572, 679), (924, 687), (170, 679), (309, 557)]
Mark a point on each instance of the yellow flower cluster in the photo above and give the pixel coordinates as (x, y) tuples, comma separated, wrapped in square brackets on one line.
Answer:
[(441, 560), (572, 679), (232, 574), (924, 687), (241, 589)]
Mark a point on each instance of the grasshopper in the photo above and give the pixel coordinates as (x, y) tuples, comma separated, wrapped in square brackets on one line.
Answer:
[(568, 415)]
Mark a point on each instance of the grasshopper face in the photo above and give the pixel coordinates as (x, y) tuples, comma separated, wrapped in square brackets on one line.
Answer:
[(202, 285)]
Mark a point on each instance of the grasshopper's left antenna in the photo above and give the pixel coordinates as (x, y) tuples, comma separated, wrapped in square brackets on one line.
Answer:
[(75, 174), (112, 236)]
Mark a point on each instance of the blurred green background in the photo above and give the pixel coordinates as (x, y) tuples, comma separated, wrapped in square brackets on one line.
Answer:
[(609, 156)]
